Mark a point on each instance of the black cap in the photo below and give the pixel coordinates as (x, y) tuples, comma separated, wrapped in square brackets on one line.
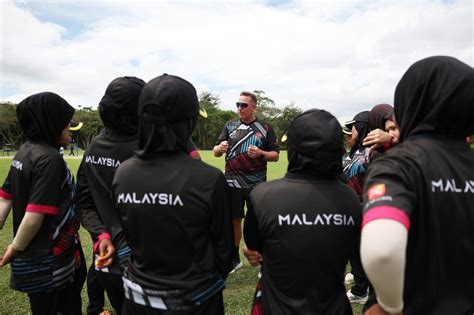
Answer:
[(167, 99), (362, 117)]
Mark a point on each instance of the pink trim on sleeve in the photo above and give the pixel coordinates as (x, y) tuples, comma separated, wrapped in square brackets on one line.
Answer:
[(103, 235), (5, 195), (194, 154), (42, 209), (386, 212)]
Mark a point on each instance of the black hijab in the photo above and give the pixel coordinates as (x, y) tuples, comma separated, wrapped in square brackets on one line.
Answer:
[(436, 96), (378, 115), (315, 144), (43, 117), (119, 105), (360, 122), (167, 111)]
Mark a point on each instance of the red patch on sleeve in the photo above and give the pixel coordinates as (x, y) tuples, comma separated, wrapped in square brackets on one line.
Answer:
[(376, 191)]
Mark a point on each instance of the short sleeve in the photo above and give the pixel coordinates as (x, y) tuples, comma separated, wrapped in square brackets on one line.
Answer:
[(389, 191), (5, 191), (223, 136), (271, 140), (47, 178)]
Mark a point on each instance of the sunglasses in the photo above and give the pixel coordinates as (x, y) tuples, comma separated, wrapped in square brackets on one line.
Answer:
[(241, 105)]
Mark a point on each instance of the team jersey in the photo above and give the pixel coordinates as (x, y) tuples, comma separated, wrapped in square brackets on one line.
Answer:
[(177, 221), (242, 171), (356, 169), (94, 199), (427, 185), (39, 181), (306, 241)]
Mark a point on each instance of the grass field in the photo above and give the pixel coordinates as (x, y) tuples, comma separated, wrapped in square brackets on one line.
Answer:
[(240, 286)]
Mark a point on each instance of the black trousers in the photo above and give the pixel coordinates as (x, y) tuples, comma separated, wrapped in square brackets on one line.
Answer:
[(113, 284), (65, 301), (95, 292), (212, 306), (97, 283), (51, 303)]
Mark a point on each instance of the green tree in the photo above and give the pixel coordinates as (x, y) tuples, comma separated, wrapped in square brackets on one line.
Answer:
[(10, 129), (92, 125), (266, 108), (282, 122), (208, 129)]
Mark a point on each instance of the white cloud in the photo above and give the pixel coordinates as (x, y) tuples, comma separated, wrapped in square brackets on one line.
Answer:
[(341, 56)]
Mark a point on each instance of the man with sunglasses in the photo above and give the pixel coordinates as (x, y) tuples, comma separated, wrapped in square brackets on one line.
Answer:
[(248, 144)]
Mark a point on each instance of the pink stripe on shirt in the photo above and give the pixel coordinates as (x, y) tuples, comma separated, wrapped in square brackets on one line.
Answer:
[(5, 195), (42, 209), (386, 212)]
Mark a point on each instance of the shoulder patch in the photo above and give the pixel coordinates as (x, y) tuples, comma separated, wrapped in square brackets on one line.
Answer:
[(376, 191)]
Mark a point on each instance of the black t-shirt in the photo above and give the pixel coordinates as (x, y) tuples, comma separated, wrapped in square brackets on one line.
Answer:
[(242, 171), (99, 164), (306, 228), (428, 186), (177, 220), (39, 181)]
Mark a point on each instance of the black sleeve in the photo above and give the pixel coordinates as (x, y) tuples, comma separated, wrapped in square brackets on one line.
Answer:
[(222, 232), (46, 181), (251, 236), (271, 141), (223, 136), (86, 207), (390, 190)]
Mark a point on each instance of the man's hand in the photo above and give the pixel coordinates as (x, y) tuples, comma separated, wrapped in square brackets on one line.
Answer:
[(223, 146), (254, 257), (254, 152), (106, 253), (376, 309), (377, 138), (8, 256)]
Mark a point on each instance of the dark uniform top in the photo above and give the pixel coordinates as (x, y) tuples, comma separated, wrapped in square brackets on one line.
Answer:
[(115, 143), (176, 218), (94, 198), (356, 169), (242, 171), (307, 224), (39, 181), (306, 240), (427, 184)]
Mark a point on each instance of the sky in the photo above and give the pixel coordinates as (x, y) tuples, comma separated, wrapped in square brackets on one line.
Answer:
[(341, 56)]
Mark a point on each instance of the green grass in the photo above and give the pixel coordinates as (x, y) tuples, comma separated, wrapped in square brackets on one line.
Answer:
[(240, 286)]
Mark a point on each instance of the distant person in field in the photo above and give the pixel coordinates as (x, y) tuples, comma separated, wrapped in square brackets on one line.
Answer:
[(174, 210), (71, 148), (99, 215), (417, 243), (45, 254), (304, 227), (248, 144)]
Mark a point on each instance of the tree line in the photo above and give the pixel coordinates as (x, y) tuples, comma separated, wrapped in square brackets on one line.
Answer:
[(205, 134)]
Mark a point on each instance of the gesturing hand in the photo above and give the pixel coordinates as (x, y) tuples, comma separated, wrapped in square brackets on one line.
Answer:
[(254, 152)]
